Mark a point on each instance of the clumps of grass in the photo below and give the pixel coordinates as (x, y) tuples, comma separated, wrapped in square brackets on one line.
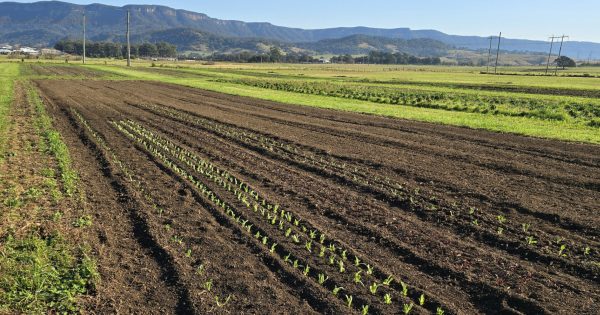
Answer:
[(43, 275)]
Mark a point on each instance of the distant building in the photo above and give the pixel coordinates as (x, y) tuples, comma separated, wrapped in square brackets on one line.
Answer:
[(4, 51), (51, 52), (28, 51)]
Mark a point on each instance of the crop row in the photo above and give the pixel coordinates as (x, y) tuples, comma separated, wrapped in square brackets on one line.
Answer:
[(497, 226), (298, 234), (586, 110), (129, 175)]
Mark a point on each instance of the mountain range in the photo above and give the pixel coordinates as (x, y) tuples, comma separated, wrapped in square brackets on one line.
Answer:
[(43, 23)]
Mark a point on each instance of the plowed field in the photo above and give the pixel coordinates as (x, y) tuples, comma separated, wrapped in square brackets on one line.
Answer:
[(238, 205)]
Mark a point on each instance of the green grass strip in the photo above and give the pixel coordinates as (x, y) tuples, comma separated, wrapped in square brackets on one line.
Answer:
[(55, 144), (43, 276), (559, 130), (8, 74)]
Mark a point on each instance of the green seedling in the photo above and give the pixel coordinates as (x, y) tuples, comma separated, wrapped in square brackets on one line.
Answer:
[(188, 253), (531, 240), (501, 219), (200, 270), (306, 270), (288, 232), (387, 299), (296, 263), (562, 250), (273, 248), (341, 266), (219, 304), (287, 257), (422, 300), (356, 261), (358, 277), (365, 309), (587, 251), (208, 285), (525, 227), (404, 288), (337, 290), (331, 259), (265, 240), (373, 288), (322, 278), (369, 269), (439, 311), (388, 280), (295, 238), (407, 308), (308, 246), (349, 299), (322, 252)]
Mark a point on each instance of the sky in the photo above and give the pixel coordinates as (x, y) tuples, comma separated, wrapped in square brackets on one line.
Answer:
[(527, 19)]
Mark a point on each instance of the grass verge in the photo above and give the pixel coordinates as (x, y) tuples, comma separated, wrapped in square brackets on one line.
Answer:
[(8, 74), (541, 128), (40, 275)]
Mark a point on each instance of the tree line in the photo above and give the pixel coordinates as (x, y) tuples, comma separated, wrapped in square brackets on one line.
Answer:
[(276, 55), (117, 50), (387, 58)]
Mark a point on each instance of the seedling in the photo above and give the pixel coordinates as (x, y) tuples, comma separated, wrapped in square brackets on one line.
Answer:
[(295, 238), (387, 299), (439, 311), (308, 246), (273, 248), (373, 288), (500, 230), (344, 255), (313, 234), (265, 240), (296, 263), (358, 277), (219, 304), (306, 270), (404, 288), (287, 257), (287, 232), (501, 219), (365, 309), (531, 240), (388, 280), (188, 253), (200, 270), (525, 227), (561, 253), (586, 251), (341, 265), (369, 269), (331, 259), (356, 261), (337, 290), (422, 300), (322, 252), (407, 308), (349, 299), (208, 285), (322, 278)]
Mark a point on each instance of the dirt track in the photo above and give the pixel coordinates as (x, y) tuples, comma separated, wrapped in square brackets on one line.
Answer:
[(446, 210)]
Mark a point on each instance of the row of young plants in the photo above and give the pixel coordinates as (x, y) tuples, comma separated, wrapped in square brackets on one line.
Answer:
[(586, 110), (497, 226), (298, 234), (138, 186)]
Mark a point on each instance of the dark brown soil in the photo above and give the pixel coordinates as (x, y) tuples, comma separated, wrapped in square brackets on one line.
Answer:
[(59, 70), (449, 211)]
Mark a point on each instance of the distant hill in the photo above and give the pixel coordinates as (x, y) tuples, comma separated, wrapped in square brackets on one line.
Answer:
[(43, 23)]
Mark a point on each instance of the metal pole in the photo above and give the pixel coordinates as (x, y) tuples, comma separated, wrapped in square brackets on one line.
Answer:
[(84, 38), (498, 53), (128, 43)]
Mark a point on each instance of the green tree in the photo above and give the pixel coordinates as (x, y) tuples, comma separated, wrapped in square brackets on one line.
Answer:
[(276, 54), (564, 62)]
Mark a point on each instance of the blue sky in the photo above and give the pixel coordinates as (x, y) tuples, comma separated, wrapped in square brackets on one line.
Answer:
[(531, 19)]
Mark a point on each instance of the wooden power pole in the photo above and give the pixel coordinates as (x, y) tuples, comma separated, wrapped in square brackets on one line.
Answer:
[(550, 53), (498, 53), (562, 40), (487, 70), (128, 43), (84, 38)]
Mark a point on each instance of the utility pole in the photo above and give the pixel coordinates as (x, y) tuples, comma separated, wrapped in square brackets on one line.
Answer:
[(83, 37), (498, 53), (562, 40), (128, 43), (550, 53), (487, 70)]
